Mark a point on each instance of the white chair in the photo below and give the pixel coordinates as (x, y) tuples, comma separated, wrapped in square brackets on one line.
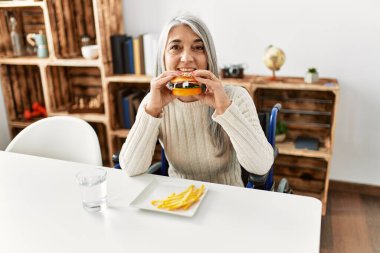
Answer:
[(60, 137)]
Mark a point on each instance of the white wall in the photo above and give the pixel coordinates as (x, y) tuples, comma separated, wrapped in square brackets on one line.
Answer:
[(4, 131), (341, 38)]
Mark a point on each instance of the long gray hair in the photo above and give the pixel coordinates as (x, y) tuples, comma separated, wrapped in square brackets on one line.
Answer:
[(219, 137)]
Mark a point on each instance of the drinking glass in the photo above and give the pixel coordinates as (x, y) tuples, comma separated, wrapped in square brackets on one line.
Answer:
[(93, 186)]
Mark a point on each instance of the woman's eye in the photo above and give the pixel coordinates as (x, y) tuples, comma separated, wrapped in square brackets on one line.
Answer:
[(199, 48), (174, 48)]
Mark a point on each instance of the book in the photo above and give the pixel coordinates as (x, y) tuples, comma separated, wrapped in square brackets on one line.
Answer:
[(128, 56), (136, 56), (142, 61), (117, 52), (120, 107), (128, 101), (134, 100), (150, 41), (307, 143), (127, 122)]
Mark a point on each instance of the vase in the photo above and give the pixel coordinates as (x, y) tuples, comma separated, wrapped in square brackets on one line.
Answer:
[(311, 77), (280, 137)]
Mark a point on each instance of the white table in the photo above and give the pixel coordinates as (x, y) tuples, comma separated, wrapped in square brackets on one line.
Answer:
[(41, 211)]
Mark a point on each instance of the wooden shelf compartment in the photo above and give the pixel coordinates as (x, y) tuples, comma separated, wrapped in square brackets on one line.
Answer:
[(304, 174), (307, 113), (70, 21), (116, 92), (76, 90), (101, 131), (29, 18), (21, 88)]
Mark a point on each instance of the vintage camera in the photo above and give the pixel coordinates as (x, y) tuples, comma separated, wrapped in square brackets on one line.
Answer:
[(233, 71)]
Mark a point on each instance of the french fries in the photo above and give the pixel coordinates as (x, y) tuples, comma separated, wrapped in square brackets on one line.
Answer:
[(183, 200)]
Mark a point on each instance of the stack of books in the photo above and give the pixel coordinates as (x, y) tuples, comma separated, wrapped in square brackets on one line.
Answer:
[(134, 55), (128, 100)]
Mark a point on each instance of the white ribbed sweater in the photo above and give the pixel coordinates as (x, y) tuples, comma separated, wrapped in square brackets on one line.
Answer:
[(183, 131)]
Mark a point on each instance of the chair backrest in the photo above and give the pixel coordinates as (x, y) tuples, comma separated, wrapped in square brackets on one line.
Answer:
[(60, 137)]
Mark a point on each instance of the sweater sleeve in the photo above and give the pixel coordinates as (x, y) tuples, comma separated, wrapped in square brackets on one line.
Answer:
[(137, 151), (242, 125)]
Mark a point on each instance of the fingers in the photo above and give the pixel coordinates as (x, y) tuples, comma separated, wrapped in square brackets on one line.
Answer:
[(164, 78), (208, 78), (212, 85), (204, 74)]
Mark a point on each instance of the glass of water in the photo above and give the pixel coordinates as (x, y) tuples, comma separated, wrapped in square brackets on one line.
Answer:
[(93, 187)]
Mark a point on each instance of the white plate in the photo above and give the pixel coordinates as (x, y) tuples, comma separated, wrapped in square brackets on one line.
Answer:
[(158, 189)]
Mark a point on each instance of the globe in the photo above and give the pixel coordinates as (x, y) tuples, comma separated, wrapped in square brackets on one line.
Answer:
[(274, 58)]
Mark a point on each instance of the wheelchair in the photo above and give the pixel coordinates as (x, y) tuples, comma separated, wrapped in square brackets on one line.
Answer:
[(266, 182)]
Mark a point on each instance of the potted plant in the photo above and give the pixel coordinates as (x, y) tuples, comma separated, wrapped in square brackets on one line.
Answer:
[(281, 131), (311, 76)]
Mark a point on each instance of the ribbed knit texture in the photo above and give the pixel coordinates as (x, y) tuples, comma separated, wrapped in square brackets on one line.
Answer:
[(183, 130)]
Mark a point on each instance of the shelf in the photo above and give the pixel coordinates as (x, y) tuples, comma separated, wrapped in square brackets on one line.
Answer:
[(31, 60), (290, 86), (22, 124), (305, 112), (92, 117), (129, 79), (294, 83), (121, 133), (15, 4), (76, 62), (288, 148)]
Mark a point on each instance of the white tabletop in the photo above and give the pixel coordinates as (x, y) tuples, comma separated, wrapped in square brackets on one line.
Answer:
[(41, 211)]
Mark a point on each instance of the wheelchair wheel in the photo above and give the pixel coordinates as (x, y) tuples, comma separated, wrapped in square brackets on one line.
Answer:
[(284, 186)]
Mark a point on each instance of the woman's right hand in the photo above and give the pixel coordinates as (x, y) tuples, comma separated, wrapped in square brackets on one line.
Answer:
[(160, 95)]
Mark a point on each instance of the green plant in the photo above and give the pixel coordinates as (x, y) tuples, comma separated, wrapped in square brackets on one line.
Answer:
[(281, 127), (312, 70)]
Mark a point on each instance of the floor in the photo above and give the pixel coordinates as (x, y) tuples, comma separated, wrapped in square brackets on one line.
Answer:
[(352, 221)]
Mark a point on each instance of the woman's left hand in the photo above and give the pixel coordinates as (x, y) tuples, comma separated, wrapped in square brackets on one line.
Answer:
[(214, 96)]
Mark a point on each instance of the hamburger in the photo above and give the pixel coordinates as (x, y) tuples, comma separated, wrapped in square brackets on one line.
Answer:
[(185, 85)]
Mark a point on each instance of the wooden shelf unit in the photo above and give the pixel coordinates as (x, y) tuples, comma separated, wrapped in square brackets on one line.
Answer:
[(309, 110), (57, 80)]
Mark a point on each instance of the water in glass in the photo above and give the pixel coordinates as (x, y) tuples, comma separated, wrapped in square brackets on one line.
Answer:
[(94, 188)]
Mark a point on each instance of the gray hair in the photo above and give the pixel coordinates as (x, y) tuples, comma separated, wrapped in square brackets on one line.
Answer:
[(219, 137)]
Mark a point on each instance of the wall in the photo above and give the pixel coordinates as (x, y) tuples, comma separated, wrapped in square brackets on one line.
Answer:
[(4, 131), (340, 38)]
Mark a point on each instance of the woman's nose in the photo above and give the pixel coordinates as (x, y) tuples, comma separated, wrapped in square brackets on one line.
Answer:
[(187, 55)]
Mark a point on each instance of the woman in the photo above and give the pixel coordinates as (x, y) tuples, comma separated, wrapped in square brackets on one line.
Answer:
[(206, 137)]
